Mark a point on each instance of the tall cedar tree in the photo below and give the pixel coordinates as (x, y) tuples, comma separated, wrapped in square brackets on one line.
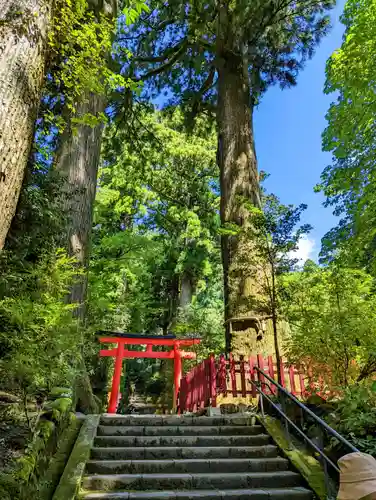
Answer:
[(77, 161), (24, 26), (219, 57)]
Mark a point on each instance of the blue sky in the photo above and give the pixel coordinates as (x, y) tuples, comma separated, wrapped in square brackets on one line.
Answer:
[(288, 128)]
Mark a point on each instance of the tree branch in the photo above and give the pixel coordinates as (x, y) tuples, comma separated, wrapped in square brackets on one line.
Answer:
[(167, 53), (167, 64)]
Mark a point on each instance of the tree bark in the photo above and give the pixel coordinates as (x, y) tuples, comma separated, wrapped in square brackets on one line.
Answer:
[(238, 179), (78, 161), (186, 291), (24, 26)]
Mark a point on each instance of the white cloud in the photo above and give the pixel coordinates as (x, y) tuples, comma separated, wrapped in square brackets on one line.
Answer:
[(305, 250)]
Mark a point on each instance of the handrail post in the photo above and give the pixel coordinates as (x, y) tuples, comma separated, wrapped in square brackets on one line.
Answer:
[(262, 405), (330, 494), (284, 409)]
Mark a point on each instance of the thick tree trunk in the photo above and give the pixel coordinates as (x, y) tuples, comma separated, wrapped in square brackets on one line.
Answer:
[(186, 291), (78, 161), (24, 26), (239, 182)]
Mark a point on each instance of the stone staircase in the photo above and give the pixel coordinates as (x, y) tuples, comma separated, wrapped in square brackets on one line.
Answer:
[(171, 457)]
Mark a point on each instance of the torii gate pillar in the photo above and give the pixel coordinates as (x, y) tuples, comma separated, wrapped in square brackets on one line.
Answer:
[(119, 353)]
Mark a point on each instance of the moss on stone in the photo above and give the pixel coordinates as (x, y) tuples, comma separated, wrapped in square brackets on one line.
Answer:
[(49, 481), (24, 477), (305, 463), (71, 479)]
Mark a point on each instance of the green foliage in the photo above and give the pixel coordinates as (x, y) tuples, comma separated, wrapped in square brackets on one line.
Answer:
[(204, 316), (81, 43), (349, 181), (155, 232), (39, 338), (331, 312), (155, 222), (355, 416), (179, 49)]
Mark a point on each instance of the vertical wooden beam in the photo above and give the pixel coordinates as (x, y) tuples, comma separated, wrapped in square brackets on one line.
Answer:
[(116, 378), (292, 380), (222, 376), (282, 373), (177, 374), (242, 376), (271, 372), (233, 376), (260, 362), (302, 385), (213, 382), (252, 364)]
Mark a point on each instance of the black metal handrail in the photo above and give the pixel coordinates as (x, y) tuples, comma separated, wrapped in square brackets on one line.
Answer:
[(288, 422)]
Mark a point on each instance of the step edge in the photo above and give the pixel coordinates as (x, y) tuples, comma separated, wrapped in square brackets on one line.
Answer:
[(193, 474), (125, 494)]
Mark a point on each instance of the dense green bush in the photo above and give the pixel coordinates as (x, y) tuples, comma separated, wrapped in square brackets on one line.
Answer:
[(39, 336), (355, 416)]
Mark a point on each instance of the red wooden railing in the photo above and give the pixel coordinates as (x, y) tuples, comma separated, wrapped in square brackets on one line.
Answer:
[(200, 387)]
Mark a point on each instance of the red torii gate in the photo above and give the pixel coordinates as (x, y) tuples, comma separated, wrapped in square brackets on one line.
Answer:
[(119, 353)]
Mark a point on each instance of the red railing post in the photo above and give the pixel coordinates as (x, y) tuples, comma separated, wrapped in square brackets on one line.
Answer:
[(242, 376), (205, 381), (182, 404), (292, 380), (213, 382), (260, 363), (302, 385), (190, 398), (233, 376), (310, 378), (282, 372), (222, 376), (271, 371), (252, 364)]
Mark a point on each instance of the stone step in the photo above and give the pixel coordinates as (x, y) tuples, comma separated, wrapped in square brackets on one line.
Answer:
[(186, 465), (183, 430), (245, 494), (238, 480), (174, 420), (180, 441), (165, 452)]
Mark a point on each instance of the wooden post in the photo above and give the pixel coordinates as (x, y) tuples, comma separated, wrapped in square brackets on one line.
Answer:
[(252, 364), (302, 385), (213, 382), (222, 382), (177, 375), (271, 372), (282, 373), (310, 378), (242, 377), (233, 376), (116, 378), (292, 380), (260, 362)]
